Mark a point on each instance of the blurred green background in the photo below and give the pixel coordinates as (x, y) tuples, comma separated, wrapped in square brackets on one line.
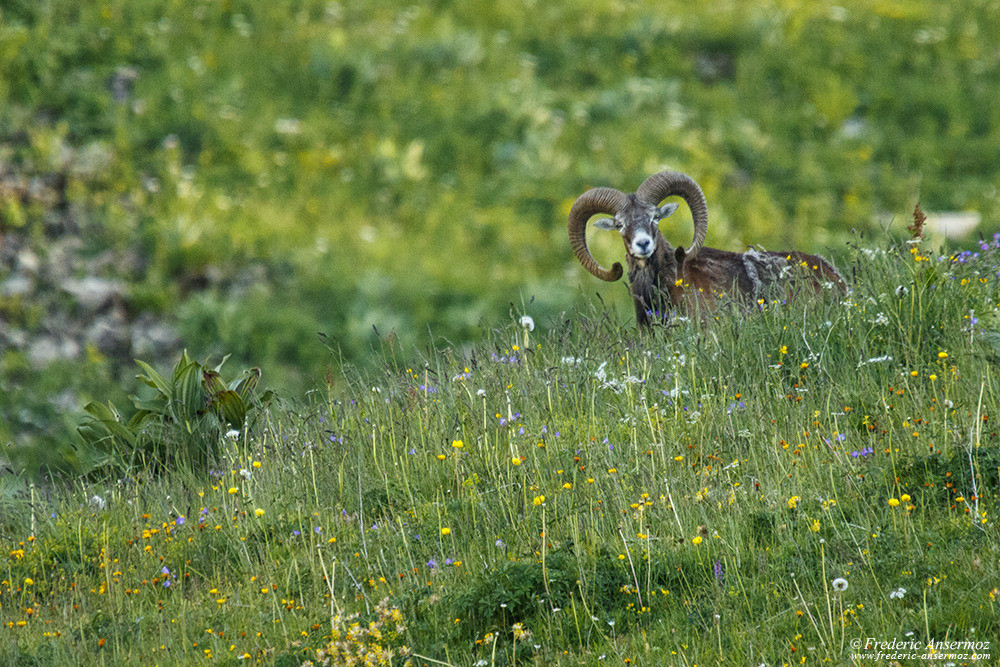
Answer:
[(235, 177)]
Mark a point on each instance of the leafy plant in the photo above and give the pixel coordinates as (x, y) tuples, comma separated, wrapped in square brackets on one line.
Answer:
[(182, 424)]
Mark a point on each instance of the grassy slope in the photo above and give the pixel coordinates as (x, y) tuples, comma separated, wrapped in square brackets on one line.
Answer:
[(679, 498), (259, 179)]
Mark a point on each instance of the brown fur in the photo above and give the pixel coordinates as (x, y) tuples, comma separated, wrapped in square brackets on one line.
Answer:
[(720, 274)]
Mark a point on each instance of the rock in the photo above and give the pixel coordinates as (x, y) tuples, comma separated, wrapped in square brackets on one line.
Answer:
[(28, 262), (92, 293), (110, 334), (17, 285), (152, 338), (46, 349)]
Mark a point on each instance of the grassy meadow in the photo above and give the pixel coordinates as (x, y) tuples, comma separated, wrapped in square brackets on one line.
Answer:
[(588, 495), (253, 173)]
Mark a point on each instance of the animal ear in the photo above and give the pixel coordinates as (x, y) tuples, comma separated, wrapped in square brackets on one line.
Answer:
[(608, 224), (667, 209)]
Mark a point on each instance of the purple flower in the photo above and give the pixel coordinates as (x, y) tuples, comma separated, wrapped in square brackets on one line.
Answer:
[(166, 583), (165, 570), (296, 533), (432, 563), (179, 521)]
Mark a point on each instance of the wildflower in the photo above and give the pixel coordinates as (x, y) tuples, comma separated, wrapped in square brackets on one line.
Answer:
[(897, 594), (793, 502), (942, 355), (97, 501), (457, 444), (256, 464), (259, 512), (840, 584), (179, 520), (28, 581), (539, 500), (527, 322), (905, 497), (567, 486), (232, 433), (893, 502), (697, 540), (441, 457), (446, 531), (516, 461), (432, 563), (233, 490)]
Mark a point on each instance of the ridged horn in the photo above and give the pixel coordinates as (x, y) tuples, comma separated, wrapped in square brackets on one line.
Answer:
[(659, 186), (587, 205)]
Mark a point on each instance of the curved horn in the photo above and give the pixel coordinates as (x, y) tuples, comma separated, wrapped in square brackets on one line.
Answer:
[(659, 186), (590, 203)]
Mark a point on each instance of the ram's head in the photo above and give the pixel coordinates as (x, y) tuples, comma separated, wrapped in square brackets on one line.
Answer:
[(636, 216)]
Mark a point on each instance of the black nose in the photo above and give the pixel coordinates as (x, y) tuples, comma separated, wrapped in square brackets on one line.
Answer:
[(643, 244)]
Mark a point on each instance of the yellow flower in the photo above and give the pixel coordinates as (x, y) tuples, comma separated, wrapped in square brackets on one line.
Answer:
[(612, 471), (28, 581), (697, 540), (446, 531), (256, 464), (784, 349), (441, 457), (516, 461), (259, 512), (539, 500), (960, 499), (804, 365), (942, 355), (457, 444), (893, 502), (914, 373), (933, 377), (233, 490), (678, 458), (793, 502), (905, 497), (567, 485)]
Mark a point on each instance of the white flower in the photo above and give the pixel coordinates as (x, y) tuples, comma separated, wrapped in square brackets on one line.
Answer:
[(481, 393), (97, 501), (898, 593), (840, 584), (527, 322), (232, 433)]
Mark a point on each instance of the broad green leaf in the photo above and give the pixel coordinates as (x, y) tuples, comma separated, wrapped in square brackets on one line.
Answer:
[(231, 408), (189, 397), (154, 380), (245, 386), (213, 383)]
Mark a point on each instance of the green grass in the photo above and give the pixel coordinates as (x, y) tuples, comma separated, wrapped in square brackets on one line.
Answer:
[(260, 170), (586, 496)]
